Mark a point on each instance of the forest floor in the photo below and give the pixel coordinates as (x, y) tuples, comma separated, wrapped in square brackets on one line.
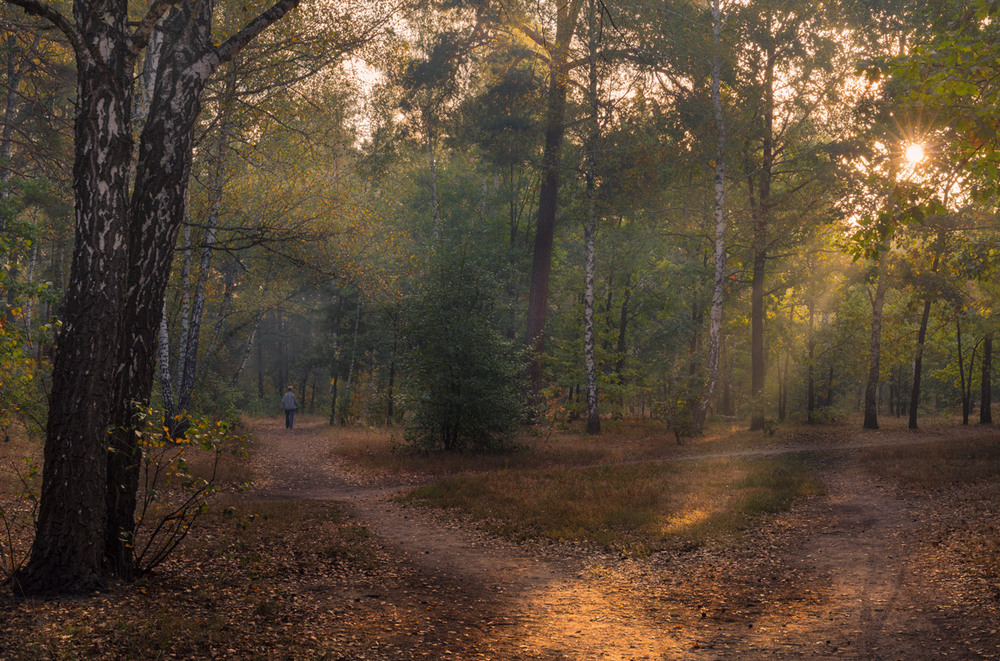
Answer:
[(320, 560)]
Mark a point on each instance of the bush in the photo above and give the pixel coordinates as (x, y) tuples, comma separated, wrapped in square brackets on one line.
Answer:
[(465, 380)]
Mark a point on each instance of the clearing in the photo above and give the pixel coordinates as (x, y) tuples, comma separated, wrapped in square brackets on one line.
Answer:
[(896, 559)]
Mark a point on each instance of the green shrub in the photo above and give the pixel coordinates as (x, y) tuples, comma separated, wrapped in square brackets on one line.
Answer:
[(465, 385)]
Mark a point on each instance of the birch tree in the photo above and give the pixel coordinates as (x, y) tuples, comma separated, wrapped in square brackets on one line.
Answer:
[(124, 246), (719, 214), (590, 228)]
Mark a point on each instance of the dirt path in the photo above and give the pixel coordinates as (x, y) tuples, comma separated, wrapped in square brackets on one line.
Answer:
[(840, 581)]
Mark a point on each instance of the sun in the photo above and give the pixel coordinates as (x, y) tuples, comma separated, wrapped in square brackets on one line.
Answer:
[(914, 153)]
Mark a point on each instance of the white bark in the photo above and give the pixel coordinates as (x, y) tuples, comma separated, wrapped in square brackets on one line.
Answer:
[(590, 231), (216, 186), (185, 302), (248, 348), (29, 305), (719, 284), (166, 383), (432, 156)]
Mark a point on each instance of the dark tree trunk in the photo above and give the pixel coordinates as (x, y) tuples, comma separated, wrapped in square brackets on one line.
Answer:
[(69, 543), (555, 127), (783, 394), (260, 366), (590, 228), (760, 211), (829, 388), (875, 352), (695, 342), (965, 391), (810, 385), (757, 367), (986, 385), (164, 163), (918, 361), (390, 403), (333, 400)]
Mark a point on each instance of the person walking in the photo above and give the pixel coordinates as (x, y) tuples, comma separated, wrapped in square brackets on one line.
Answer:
[(289, 405)]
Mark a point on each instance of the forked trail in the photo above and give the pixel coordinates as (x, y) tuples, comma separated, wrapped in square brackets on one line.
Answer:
[(844, 576)]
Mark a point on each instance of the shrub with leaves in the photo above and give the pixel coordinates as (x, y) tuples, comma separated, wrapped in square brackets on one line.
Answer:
[(177, 481), (18, 517), (465, 379)]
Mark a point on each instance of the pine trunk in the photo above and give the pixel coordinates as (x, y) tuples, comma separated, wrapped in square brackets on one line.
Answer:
[(760, 212), (918, 361), (875, 352), (555, 127), (965, 391)]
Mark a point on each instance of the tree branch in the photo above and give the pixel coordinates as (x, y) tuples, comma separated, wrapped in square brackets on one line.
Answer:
[(52, 15), (238, 41), (141, 35)]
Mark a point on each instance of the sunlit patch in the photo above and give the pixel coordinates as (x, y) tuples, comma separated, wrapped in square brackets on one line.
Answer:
[(915, 153), (686, 519)]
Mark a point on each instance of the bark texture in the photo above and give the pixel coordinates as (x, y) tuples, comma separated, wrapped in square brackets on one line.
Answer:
[(590, 230), (719, 177), (555, 128), (106, 351), (875, 352), (69, 544), (986, 384), (760, 208)]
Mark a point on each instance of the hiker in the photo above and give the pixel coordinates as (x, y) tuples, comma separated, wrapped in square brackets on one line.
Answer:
[(289, 404)]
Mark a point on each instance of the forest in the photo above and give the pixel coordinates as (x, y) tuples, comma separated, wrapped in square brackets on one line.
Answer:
[(460, 224)]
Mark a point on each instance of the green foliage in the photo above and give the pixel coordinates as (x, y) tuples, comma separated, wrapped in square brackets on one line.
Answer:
[(950, 76), (466, 391)]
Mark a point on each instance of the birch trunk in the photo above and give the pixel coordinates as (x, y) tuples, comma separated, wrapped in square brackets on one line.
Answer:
[(187, 62), (216, 189), (719, 280), (69, 542), (166, 382), (185, 322), (590, 231), (247, 350)]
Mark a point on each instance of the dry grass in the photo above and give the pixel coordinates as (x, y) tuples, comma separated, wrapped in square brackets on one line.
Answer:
[(967, 456), (637, 507), (383, 450)]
